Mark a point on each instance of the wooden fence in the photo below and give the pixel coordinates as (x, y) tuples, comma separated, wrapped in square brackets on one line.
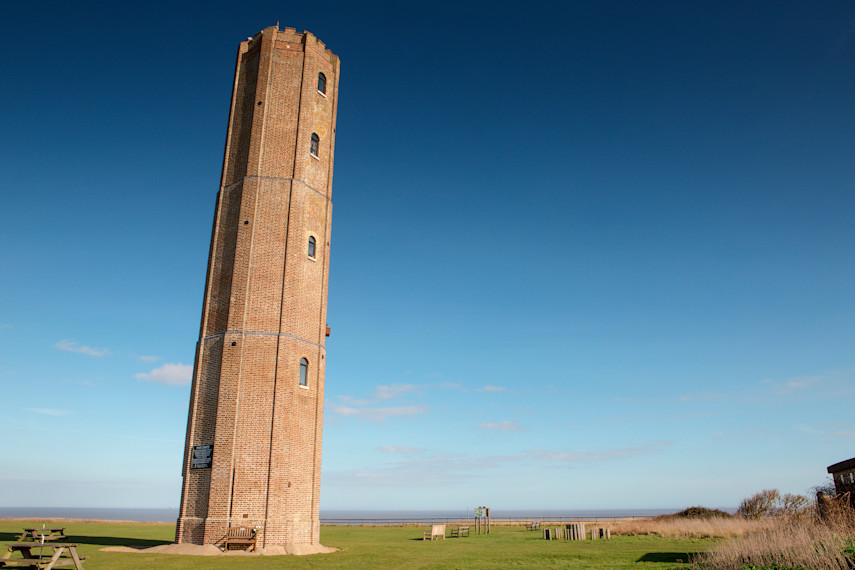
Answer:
[(506, 521)]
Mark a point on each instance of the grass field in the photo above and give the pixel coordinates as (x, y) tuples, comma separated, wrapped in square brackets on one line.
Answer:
[(384, 547)]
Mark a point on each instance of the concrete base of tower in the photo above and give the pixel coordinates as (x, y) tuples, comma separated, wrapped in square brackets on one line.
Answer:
[(272, 532)]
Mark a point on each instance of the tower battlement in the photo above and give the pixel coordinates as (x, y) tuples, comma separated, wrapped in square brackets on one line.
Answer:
[(292, 37)]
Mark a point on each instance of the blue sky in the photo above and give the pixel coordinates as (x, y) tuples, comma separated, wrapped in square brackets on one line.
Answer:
[(598, 255)]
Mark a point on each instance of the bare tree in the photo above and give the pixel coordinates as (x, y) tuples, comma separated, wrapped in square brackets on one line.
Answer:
[(827, 488)]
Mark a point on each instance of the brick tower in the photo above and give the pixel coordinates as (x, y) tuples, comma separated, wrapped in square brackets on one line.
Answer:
[(253, 450)]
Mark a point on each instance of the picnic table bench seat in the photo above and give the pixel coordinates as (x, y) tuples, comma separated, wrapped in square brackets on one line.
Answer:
[(241, 537), (43, 562), (64, 554), (49, 533), (37, 537), (23, 562), (37, 543)]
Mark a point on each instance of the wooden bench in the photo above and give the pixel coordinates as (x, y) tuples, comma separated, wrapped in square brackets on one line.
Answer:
[(241, 538), (459, 531), (436, 532), (532, 525)]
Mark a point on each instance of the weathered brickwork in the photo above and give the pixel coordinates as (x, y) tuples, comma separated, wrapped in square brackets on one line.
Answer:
[(265, 302)]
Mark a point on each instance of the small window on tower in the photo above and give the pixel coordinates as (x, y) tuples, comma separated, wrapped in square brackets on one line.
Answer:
[(312, 247), (322, 83), (316, 142), (304, 372)]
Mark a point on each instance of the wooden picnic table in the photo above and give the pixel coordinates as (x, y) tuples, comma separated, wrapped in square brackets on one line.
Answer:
[(48, 533), (64, 554)]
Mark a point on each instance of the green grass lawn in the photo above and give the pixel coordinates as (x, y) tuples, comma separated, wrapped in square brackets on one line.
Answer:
[(384, 547)]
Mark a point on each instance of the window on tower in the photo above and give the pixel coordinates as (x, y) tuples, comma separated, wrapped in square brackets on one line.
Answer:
[(316, 142), (322, 83), (312, 247), (304, 372)]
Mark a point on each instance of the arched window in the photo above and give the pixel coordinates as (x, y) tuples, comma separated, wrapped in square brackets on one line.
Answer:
[(304, 372), (322, 83), (311, 246), (316, 142)]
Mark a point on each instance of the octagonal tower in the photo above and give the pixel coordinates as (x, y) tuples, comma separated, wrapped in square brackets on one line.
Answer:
[(253, 448)]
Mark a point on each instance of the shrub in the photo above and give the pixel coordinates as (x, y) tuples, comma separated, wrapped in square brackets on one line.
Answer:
[(790, 505), (770, 502), (698, 513), (759, 505)]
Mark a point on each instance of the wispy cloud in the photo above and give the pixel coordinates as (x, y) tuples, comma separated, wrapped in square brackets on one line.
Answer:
[(835, 382), (378, 414), (392, 391), (741, 434), (501, 426), (400, 449), (148, 358), (706, 396), (72, 346), (171, 374), (424, 470), (838, 429), (813, 430), (592, 456), (5, 326), (367, 408), (489, 388), (796, 384), (49, 411), (381, 393)]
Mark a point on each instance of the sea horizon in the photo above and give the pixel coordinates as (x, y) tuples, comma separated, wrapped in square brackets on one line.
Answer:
[(169, 515)]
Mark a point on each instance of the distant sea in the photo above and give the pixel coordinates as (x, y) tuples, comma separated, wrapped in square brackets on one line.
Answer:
[(141, 515), (170, 515)]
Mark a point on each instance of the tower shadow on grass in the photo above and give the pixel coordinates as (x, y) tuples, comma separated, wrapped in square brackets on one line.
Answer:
[(117, 541), (685, 557), (98, 540)]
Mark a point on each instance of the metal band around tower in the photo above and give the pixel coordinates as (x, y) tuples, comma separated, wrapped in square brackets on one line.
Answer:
[(255, 333), (303, 182)]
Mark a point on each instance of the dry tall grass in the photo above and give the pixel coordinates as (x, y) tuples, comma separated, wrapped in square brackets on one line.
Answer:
[(804, 542), (673, 527)]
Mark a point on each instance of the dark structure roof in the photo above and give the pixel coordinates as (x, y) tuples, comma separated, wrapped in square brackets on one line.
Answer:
[(842, 466)]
